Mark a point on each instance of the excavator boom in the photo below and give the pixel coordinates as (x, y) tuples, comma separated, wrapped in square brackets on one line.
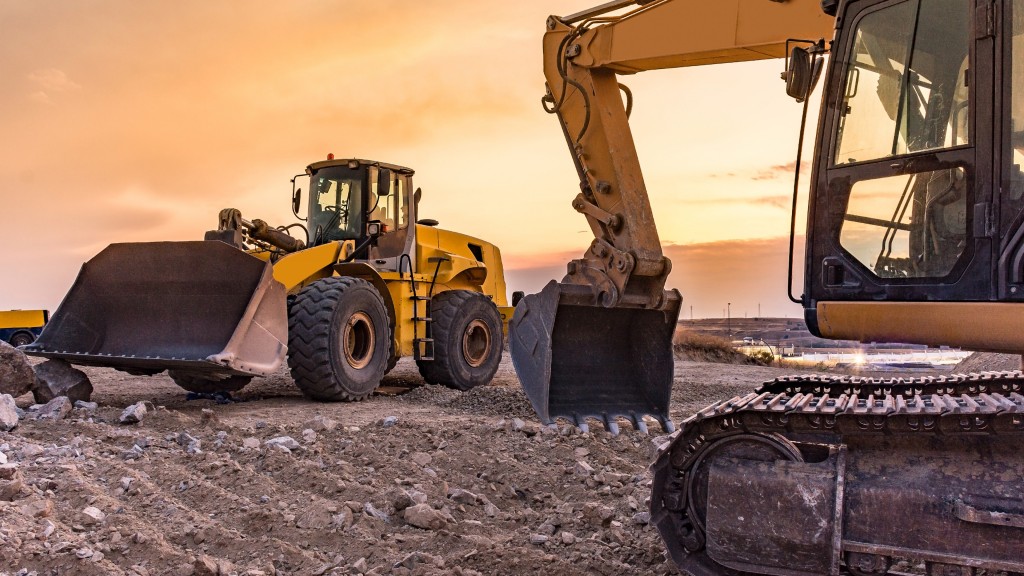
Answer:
[(598, 343)]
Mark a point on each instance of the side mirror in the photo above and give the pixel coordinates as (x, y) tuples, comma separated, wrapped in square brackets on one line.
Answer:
[(798, 74), (384, 182), (417, 195), (802, 73), (297, 202)]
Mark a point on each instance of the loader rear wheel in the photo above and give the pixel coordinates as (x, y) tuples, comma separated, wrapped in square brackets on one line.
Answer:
[(338, 339), (466, 328), (201, 385)]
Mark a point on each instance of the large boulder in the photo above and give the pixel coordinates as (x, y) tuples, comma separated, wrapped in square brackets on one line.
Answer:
[(16, 375), (58, 378)]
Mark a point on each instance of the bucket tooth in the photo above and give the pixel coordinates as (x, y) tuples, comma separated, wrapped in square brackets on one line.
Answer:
[(576, 360)]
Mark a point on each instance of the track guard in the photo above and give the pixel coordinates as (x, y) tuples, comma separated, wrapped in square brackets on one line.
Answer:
[(577, 360)]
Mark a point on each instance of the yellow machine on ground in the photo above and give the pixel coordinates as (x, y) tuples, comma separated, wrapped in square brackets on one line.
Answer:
[(21, 327), (367, 283), (915, 234)]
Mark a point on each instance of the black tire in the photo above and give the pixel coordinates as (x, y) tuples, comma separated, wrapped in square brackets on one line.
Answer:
[(22, 339), (194, 383), (338, 339), (466, 329)]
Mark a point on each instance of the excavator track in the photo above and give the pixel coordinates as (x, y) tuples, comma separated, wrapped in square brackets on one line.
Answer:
[(846, 475)]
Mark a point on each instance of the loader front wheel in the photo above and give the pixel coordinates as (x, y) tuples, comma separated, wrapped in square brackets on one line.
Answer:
[(466, 328), (201, 385), (338, 339)]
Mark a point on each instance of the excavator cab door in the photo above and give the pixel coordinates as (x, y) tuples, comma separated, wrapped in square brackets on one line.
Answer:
[(903, 204)]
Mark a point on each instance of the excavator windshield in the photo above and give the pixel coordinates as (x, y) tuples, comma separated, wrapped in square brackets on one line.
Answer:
[(336, 204)]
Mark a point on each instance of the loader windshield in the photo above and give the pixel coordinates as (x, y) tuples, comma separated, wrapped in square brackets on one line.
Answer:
[(336, 204)]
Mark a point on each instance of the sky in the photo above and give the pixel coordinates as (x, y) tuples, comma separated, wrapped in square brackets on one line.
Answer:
[(127, 121)]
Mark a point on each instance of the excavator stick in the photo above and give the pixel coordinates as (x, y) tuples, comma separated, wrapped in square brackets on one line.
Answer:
[(577, 360), (203, 307)]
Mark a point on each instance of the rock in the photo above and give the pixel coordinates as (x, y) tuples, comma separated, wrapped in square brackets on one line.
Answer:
[(126, 482), (389, 421), (360, 566), (7, 471), (16, 374), (463, 496), (642, 518), (89, 407), (423, 516), (421, 458), (598, 514), (8, 413), (322, 423), (13, 489), (583, 469), (209, 566), (369, 509), (343, 519), (408, 498), (283, 442), (308, 436), (91, 516), (3, 458), (56, 409), (568, 538), (38, 508), (538, 539), (414, 559), (518, 425), (133, 414), (58, 378), (250, 443), (133, 453)]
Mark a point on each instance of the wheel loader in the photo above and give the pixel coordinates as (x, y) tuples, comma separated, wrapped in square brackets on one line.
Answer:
[(915, 234), (358, 283)]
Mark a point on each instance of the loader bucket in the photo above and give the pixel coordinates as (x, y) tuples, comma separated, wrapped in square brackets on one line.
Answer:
[(202, 307), (576, 360)]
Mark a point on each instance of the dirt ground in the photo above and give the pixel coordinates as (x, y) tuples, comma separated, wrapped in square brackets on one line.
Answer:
[(195, 489)]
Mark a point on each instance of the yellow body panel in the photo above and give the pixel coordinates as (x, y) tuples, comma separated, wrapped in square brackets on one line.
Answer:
[(989, 326), (297, 269), (22, 318)]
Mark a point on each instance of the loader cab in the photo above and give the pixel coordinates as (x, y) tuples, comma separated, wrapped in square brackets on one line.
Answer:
[(363, 201), (916, 192)]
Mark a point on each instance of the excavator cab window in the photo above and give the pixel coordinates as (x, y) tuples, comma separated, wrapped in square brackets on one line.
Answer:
[(336, 204), (906, 93)]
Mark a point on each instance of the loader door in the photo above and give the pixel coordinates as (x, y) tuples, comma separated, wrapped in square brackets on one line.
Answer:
[(1011, 128), (394, 211), (903, 192)]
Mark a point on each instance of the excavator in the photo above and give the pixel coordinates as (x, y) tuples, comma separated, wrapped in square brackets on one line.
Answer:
[(915, 234)]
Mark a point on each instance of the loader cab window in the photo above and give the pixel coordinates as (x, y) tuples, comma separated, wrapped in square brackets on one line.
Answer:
[(1013, 192), (336, 206), (392, 210), (906, 92)]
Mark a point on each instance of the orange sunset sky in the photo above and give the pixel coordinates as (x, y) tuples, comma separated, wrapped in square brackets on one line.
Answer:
[(137, 121)]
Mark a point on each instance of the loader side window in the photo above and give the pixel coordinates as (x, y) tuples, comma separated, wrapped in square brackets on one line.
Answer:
[(906, 86)]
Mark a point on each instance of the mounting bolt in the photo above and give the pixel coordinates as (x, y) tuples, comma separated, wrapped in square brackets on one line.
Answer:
[(603, 187), (573, 51)]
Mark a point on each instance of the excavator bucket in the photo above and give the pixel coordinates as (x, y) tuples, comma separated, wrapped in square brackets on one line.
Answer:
[(577, 360), (202, 307)]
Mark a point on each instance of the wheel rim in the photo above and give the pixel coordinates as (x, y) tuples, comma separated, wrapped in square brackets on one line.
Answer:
[(476, 342), (358, 340)]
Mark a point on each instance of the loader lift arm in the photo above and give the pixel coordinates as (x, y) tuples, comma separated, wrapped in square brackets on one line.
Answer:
[(598, 344)]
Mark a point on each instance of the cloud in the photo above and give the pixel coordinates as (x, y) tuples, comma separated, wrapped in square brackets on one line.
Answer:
[(49, 82), (775, 172)]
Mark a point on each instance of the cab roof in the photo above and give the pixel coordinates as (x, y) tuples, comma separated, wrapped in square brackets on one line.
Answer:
[(361, 161)]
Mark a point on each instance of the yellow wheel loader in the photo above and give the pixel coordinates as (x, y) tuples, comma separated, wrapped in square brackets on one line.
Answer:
[(915, 234), (362, 283)]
